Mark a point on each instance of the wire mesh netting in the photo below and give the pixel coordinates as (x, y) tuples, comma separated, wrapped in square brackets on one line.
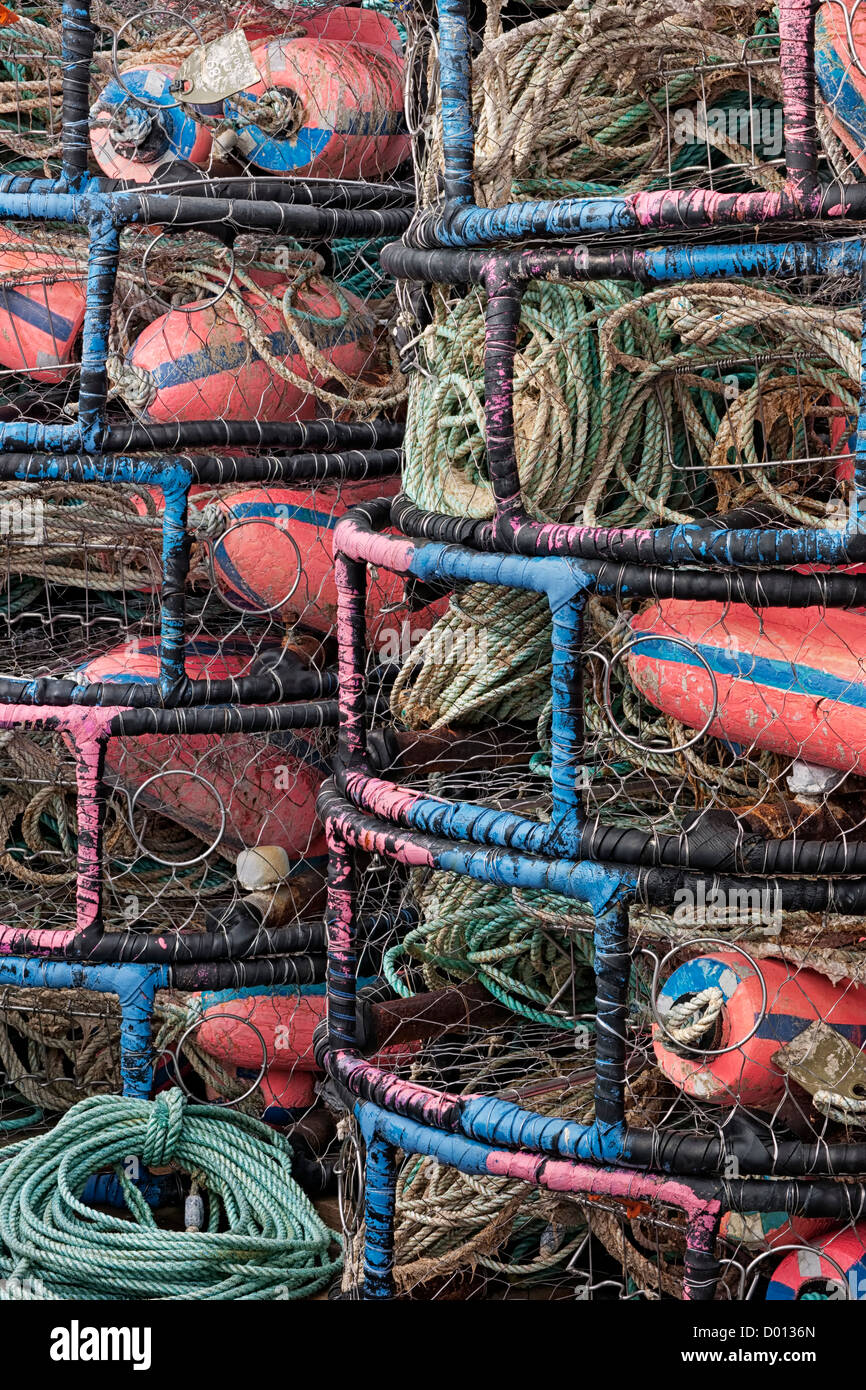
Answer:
[(586, 971)]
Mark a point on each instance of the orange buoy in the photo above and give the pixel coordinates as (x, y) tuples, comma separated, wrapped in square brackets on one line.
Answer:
[(137, 125), (330, 101), (834, 1267), (42, 303), (840, 60), (246, 1030), (200, 363), (755, 1008), (787, 680), (760, 1228), (276, 554)]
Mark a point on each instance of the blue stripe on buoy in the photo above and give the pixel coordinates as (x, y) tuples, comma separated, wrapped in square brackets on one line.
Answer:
[(696, 975), (325, 520), (786, 676), (832, 72), (779, 1293), (179, 130), (266, 510), (37, 315), (206, 361), (210, 997)]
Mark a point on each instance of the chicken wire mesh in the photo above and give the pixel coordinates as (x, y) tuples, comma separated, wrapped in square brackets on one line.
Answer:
[(708, 730)]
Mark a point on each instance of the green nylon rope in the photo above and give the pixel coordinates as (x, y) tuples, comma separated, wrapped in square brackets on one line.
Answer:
[(473, 930), (263, 1238)]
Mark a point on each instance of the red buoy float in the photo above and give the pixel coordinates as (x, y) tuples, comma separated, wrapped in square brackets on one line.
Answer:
[(200, 364), (788, 680), (42, 302), (834, 1267), (328, 102), (331, 100), (770, 1228), (137, 125), (751, 1010), (277, 556), (284, 1021), (840, 70), (265, 787)]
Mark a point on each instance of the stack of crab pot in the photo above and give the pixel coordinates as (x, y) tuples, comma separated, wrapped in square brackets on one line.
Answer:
[(631, 475), (197, 381)]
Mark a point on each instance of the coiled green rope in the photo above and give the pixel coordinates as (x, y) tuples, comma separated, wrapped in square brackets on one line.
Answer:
[(511, 942), (263, 1238)]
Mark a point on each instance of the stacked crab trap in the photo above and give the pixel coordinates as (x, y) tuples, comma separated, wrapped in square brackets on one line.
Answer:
[(632, 319), (432, 711), (196, 382)]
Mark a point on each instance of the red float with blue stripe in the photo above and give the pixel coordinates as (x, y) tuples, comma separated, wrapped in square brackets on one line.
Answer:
[(42, 303), (840, 69), (267, 786), (791, 681), (201, 364), (834, 1267), (764, 1005), (769, 1228), (283, 1023), (332, 97), (329, 103), (276, 555), (137, 125)]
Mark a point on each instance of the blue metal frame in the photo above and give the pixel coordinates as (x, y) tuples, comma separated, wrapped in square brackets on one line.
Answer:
[(135, 987)]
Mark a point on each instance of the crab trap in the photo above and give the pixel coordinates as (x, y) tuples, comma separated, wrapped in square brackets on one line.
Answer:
[(192, 391), (431, 616), (561, 122), (669, 871)]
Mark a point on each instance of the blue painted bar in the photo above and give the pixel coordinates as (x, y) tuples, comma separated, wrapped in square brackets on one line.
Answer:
[(135, 987), (567, 731), (175, 566), (102, 263), (788, 258), (380, 1195), (566, 217)]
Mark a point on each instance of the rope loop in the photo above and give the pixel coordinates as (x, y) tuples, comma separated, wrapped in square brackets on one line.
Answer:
[(688, 1021), (164, 1128)]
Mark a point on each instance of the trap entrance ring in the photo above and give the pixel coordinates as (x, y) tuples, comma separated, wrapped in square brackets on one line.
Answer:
[(193, 777), (199, 304), (193, 1028), (175, 15), (607, 702), (661, 1019), (221, 539)]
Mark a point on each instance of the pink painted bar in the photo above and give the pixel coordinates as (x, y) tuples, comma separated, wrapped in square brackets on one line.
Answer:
[(88, 730)]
